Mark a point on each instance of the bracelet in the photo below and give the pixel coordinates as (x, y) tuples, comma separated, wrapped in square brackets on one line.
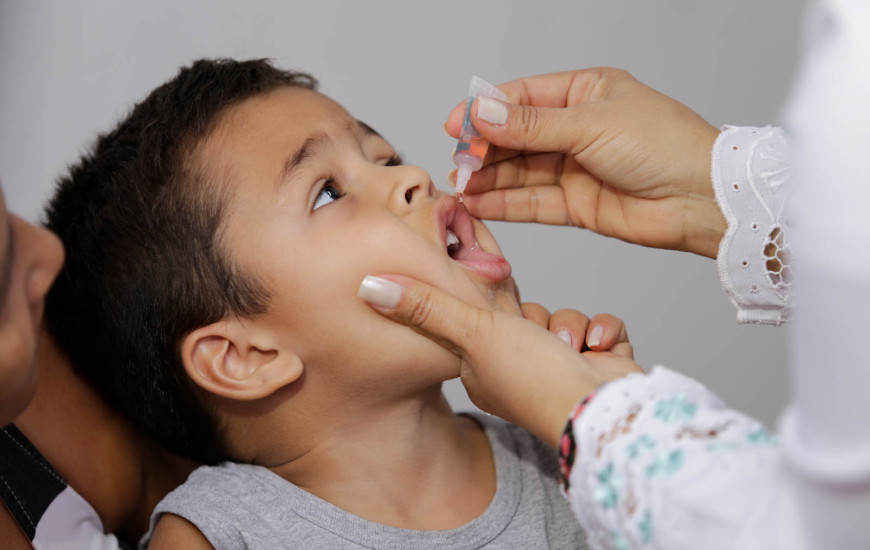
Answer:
[(568, 445)]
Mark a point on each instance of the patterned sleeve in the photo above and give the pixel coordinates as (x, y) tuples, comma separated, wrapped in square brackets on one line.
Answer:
[(661, 463), (751, 170)]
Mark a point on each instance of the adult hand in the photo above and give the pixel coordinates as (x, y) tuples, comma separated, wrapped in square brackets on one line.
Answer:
[(604, 332), (596, 149), (511, 367)]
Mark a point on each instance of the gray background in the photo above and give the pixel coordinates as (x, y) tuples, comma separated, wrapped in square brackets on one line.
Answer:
[(70, 69)]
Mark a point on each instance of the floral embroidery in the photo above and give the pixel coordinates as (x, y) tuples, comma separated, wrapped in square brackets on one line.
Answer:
[(645, 527), (762, 437), (643, 442), (665, 464), (675, 409), (619, 541), (607, 493)]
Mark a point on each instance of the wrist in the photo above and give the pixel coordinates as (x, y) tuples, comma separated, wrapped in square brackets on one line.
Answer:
[(706, 226), (560, 406), (705, 222)]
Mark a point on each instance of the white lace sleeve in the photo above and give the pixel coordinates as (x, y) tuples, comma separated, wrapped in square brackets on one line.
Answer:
[(661, 464), (750, 172)]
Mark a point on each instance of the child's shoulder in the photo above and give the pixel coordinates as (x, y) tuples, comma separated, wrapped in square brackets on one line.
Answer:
[(212, 496)]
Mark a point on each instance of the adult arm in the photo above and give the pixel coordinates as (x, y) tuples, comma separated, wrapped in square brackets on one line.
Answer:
[(10, 533), (511, 366), (597, 149)]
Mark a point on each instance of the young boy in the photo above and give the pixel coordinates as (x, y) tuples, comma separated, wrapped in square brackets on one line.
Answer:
[(217, 238)]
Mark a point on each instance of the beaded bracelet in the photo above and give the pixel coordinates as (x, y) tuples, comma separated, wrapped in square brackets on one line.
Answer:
[(568, 445)]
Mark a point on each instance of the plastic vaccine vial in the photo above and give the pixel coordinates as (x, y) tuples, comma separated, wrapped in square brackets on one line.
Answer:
[(472, 147)]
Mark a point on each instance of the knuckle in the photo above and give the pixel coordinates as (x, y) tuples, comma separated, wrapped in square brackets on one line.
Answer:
[(529, 123), (422, 309), (532, 205), (535, 312), (609, 319), (571, 315)]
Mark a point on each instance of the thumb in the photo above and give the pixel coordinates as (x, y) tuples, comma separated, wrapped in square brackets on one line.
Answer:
[(528, 128), (430, 311)]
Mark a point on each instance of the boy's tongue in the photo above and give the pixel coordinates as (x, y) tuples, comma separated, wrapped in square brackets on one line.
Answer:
[(491, 266)]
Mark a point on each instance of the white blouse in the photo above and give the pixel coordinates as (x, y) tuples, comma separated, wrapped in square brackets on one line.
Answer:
[(660, 462)]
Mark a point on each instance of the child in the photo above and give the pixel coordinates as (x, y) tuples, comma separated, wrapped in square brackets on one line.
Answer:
[(217, 239)]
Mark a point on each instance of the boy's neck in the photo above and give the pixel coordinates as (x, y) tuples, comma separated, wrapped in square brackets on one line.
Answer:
[(397, 464), (95, 449)]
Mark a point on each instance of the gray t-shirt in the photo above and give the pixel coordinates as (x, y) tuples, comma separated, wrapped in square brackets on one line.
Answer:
[(244, 506)]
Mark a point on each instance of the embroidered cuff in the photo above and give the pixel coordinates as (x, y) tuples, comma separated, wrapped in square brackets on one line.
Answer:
[(750, 172)]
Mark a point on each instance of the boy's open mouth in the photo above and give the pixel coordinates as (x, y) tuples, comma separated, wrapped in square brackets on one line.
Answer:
[(457, 233)]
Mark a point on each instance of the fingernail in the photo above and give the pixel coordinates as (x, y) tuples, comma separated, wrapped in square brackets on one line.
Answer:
[(380, 292), (565, 335), (595, 336), (446, 133), (491, 110)]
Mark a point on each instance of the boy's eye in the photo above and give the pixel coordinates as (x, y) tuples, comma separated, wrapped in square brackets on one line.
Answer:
[(395, 160), (328, 193)]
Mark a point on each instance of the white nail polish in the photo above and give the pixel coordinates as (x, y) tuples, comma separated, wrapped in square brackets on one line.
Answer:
[(491, 110), (565, 335), (595, 336), (379, 291)]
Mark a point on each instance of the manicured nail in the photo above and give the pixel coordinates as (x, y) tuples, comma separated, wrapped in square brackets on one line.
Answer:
[(595, 336), (380, 292), (565, 335), (491, 110)]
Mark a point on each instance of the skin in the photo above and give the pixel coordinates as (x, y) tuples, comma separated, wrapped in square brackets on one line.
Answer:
[(31, 258), (321, 389)]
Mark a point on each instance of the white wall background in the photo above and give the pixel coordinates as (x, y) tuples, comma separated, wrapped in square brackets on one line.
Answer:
[(69, 69)]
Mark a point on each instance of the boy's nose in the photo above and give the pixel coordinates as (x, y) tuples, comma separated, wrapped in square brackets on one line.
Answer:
[(412, 185)]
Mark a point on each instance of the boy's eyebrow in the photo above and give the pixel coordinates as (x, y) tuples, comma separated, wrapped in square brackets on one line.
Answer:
[(312, 144), (368, 129)]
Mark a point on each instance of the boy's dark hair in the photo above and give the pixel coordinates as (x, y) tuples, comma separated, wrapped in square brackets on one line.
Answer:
[(140, 222)]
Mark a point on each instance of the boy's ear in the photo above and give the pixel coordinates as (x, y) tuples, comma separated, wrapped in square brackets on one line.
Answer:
[(238, 361)]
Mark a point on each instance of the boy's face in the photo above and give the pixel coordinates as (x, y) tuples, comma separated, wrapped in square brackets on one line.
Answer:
[(317, 203)]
